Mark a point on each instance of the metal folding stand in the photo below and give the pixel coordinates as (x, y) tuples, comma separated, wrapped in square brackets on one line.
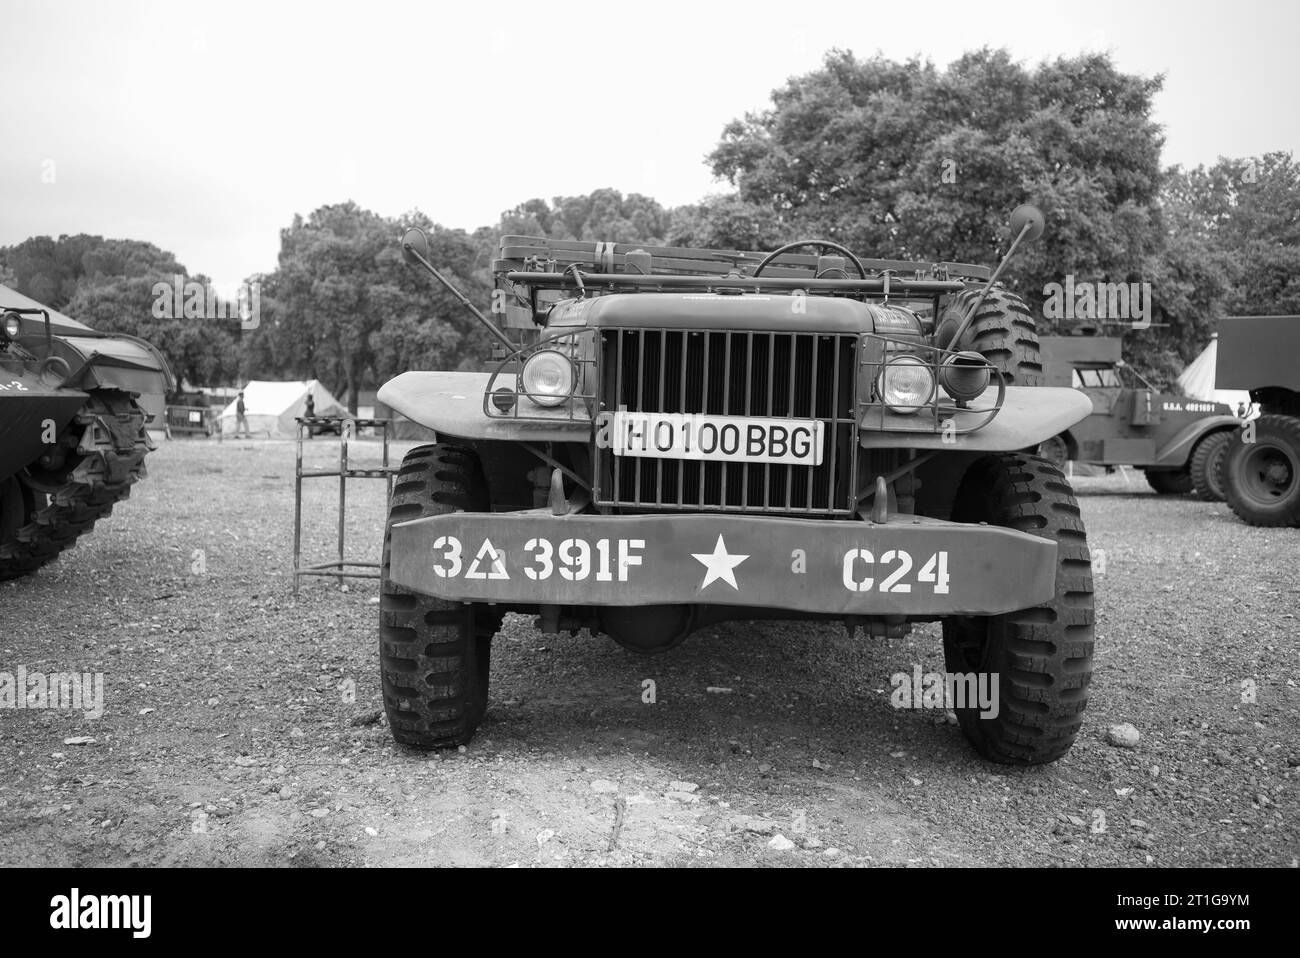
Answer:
[(339, 568)]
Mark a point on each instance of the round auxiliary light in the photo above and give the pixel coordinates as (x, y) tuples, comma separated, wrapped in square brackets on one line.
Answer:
[(13, 325), (906, 385), (547, 377), (504, 398), (964, 376)]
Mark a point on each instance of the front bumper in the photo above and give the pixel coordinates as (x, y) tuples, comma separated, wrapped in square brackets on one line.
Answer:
[(908, 566)]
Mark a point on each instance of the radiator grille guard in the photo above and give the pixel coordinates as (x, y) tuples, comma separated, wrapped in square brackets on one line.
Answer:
[(783, 375)]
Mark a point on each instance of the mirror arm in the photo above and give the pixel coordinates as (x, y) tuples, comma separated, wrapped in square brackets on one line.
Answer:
[(490, 326)]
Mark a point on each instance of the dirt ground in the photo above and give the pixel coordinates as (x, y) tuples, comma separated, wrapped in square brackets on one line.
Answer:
[(242, 726)]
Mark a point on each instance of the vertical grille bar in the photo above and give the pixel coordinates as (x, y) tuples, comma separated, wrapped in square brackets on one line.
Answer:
[(816, 365), (661, 402), (618, 402), (704, 402), (726, 407), (835, 427), (640, 402)]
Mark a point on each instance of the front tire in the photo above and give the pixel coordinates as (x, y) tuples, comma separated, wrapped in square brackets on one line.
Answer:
[(1261, 479), (1207, 465), (434, 654), (1041, 656)]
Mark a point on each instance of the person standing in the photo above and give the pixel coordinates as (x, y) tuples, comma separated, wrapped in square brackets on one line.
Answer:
[(310, 414), (241, 421)]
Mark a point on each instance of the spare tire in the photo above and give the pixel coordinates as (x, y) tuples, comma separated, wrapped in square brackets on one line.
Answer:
[(1003, 332)]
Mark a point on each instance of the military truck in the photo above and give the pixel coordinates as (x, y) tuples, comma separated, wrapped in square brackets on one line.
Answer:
[(670, 438), (73, 434), (1177, 441), (1261, 466)]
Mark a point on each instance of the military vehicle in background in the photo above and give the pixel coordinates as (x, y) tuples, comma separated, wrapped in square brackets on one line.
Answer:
[(72, 430), (1177, 441), (671, 438), (1261, 466)]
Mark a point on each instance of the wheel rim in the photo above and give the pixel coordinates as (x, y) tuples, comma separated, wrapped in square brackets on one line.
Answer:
[(1267, 473)]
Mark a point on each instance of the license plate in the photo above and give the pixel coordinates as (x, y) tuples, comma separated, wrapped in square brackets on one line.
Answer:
[(795, 442)]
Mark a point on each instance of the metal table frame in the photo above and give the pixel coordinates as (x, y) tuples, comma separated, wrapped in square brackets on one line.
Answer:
[(339, 568)]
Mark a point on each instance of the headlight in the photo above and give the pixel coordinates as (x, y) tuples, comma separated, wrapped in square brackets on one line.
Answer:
[(13, 325), (547, 377), (906, 384)]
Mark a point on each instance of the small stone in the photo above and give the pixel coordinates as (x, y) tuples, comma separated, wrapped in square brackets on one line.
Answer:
[(1122, 736), (245, 761), (758, 826), (780, 843), (285, 793), (718, 690), (372, 832), (1075, 820), (1137, 823), (319, 812), (811, 842), (685, 798), (604, 786), (818, 765), (682, 786), (831, 853)]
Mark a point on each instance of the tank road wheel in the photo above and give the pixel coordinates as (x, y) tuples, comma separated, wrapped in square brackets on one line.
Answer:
[(1170, 482), (434, 654), (1261, 479), (1207, 465), (1042, 656), (1003, 332), (44, 512)]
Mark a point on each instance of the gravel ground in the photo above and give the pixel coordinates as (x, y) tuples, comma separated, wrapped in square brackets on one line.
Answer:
[(242, 726)]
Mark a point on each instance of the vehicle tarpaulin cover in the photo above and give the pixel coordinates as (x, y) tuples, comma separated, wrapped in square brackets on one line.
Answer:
[(1197, 380)]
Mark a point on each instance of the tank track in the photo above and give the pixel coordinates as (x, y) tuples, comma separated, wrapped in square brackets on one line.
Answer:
[(112, 445)]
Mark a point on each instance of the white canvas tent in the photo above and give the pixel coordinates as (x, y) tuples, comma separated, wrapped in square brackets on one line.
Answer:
[(1197, 380), (271, 408)]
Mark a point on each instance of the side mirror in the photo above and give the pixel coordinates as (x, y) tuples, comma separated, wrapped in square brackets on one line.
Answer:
[(415, 241), (1026, 215)]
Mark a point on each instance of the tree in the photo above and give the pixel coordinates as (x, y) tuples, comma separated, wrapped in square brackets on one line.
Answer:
[(903, 160)]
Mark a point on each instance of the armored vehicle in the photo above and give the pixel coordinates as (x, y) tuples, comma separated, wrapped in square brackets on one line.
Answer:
[(72, 431), (669, 438), (1261, 467), (1177, 442)]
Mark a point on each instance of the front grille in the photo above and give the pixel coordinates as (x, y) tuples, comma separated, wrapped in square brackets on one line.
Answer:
[(730, 373)]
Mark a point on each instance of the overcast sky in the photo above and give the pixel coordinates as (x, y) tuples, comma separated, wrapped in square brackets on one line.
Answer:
[(203, 127)]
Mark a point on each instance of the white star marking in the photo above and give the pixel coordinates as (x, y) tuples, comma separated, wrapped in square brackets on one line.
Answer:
[(719, 564)]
